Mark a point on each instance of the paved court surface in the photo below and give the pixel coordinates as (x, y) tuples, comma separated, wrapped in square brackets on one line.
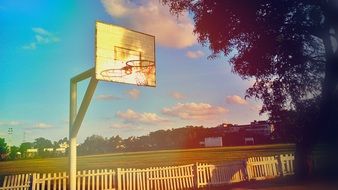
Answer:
[(289, 184)]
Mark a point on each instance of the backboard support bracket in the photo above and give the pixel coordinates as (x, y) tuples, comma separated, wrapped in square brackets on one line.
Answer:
[(76, 117)]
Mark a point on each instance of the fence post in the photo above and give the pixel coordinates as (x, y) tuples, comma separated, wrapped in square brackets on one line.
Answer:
[(195, 173), (118, 174), (246, 170), (280, 165), (147, 171), (31, 182), (36, 180)]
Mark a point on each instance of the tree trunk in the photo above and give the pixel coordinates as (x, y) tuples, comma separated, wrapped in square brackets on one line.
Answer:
[(326, 128), (302, 161)]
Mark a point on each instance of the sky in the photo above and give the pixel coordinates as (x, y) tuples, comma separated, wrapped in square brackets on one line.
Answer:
[(45, 43)]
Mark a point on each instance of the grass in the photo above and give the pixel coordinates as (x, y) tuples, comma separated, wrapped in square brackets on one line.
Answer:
[(144, 159)]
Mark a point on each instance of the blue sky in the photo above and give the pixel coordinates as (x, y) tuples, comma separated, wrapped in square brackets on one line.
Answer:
[(45, 43)]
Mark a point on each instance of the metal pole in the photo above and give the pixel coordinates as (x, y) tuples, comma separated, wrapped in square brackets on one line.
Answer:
[(84, 106), (76, 118), (72, 138)]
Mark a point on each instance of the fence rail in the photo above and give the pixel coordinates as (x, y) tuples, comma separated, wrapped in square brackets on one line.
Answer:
[(191, 176)]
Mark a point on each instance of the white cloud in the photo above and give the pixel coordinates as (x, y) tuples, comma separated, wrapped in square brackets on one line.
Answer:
[(45, 40), (129, 127), (194, 54), (42, 36), (65, 122), (256, 108), (28, 131), (42, 126), (120, 126), (130, 116), (194, 111), (10, 123), (150, 16), (178, 95), (134, 93), (41, 31), (30, 46), (235, 99), (107, 97)]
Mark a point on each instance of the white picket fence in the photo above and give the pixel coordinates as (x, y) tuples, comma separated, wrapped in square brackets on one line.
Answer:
[(210, 174), (158, 178), (86, 180), (55, 181), (260, 168), (96, 180), (287, 162), (191, 176), (16, 182)]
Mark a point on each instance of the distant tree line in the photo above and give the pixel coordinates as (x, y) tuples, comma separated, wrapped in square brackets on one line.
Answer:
[(178, 138), (20, 152)]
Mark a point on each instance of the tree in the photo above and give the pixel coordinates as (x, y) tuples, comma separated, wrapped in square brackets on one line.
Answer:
[(132, 143), (94, 144), (3, 149), (291, 125), (284, 46), (57, 144), (115, 143), (42, 143), (24, 146), (14, 152)]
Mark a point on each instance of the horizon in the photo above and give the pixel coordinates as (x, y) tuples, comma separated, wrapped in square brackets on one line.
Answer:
[(142, 135)]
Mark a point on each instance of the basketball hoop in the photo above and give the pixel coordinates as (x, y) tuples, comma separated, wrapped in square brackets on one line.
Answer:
[(114, 74), (140, 63), (142, 68)]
